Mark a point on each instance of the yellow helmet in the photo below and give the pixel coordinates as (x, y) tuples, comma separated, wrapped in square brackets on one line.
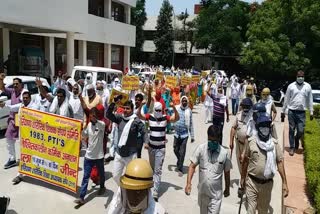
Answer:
[(265, 91), (249, 90), (138, 175)]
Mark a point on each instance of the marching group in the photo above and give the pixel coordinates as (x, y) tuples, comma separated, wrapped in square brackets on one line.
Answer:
[(153, 111)]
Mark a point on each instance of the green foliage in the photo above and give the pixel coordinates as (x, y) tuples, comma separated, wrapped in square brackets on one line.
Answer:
[(164, 35), (221, 26), (312, 159), (283, 37), (316, 111), (138, 19)]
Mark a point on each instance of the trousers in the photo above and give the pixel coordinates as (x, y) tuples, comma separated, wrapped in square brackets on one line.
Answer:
[(156, 158), (258, 196), (208, 113), (179, 148), (219, 122), (119, 165), (297, 120), (235, 106), (11, 149), (209, 205), (88, 165)]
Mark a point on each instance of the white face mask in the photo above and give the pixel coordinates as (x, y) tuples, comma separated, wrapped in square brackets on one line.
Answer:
[(157, 114), (300, 80), (100, 93)]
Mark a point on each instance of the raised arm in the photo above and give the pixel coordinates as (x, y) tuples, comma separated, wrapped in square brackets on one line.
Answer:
[(142, 117), (175, 117), (43, 92)]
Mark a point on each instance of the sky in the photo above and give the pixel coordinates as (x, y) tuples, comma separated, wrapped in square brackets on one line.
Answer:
[(153, 6)]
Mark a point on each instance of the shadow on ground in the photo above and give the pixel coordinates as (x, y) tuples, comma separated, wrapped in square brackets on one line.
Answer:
[(164, 186)]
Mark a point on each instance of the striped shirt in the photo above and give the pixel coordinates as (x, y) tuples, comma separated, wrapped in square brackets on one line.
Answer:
[(157, 130), (219, 105)]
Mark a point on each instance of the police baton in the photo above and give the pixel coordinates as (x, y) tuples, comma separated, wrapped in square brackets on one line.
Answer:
[(240, 195)]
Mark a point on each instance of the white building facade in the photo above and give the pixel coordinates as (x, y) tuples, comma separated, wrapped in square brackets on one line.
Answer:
[(66, 33)]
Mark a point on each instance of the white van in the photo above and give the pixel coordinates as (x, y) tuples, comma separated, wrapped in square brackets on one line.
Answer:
[(98, 73)]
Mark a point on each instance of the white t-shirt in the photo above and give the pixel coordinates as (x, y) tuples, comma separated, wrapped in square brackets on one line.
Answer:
[(95, 141)]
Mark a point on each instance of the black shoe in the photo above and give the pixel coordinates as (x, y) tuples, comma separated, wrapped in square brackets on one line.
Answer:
[(16, 180), (108, 159), (101, 191), (4, 204), (291, 152), (10, 163), (155, 199)]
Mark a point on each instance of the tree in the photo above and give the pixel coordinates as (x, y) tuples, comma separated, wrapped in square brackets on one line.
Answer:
[(164, 35), (274, 46), (138, 19), (186, 34), (221, 26)]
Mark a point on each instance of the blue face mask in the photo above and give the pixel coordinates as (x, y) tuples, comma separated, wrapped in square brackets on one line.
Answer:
[(213, 145)]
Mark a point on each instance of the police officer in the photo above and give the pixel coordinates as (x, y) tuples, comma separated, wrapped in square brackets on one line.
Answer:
[(134, 195), (238, 131), (262, 157)]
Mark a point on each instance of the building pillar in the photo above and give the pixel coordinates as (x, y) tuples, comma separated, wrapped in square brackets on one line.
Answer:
[(107, 9), (128, 14), (107, 55), (5, 43), (126, 58), (49, 54), (83, 53), (70, 52)]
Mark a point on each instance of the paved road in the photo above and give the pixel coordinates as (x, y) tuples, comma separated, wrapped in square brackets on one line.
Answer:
[(32, 197)]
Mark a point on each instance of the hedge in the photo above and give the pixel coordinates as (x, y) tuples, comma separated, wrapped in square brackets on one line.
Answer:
[(316, 111), (312, 159)]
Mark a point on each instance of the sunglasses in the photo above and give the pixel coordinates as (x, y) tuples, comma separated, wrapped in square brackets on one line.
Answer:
[(158, 110)]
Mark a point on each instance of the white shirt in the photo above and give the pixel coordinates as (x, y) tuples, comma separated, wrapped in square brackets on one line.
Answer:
[(235, 92), (95, 141), (298, 97), (42, 104), (77, 109)]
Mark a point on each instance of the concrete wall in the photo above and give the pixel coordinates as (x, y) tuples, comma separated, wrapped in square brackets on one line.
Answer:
[(61, 15), (67, 16), (132, 3)]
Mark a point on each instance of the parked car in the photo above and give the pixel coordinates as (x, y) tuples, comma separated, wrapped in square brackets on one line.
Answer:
[(316, 97), (29, 83), (140, 69), (98, 73)]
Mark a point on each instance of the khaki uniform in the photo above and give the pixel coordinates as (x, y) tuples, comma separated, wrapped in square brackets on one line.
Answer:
[(240, 125), (258, 189), (211, 166)]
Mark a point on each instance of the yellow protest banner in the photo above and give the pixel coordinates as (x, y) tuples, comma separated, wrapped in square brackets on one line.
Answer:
[(196, 78), (159, 75), (185, 80), (50, 148), (115, 93), (205, 73), (171, 81), (130, 83)]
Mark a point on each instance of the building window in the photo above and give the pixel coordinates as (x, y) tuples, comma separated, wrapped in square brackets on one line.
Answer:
[(95, 54), (117, 12), (96, 7), (117, 57)]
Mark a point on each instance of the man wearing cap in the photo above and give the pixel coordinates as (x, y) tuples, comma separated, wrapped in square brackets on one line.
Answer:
[(239, 129), (297, 100), (133, 194), (261, 158)]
